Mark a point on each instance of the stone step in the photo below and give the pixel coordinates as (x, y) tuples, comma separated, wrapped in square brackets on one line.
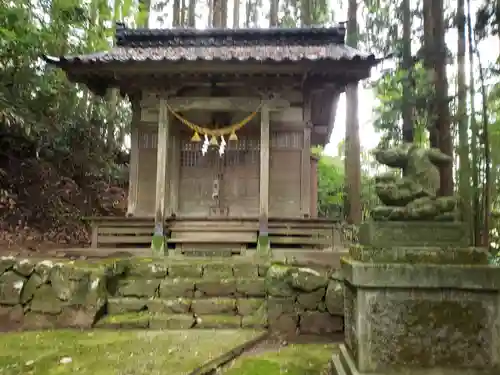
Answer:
[(192, 287), (197, 307), (147, 320)]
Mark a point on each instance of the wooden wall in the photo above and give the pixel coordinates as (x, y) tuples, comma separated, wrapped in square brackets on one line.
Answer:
[(193, 175)]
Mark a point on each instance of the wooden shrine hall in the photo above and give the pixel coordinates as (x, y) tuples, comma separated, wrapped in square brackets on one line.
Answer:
[(222, 129)]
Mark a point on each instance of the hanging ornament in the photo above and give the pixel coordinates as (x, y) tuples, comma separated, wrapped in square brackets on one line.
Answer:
[(204, 147), (213, 141), (222, 146), (195, 137), (233, 136)]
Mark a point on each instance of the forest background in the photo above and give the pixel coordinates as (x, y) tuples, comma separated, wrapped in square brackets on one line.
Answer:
[(64, 154)]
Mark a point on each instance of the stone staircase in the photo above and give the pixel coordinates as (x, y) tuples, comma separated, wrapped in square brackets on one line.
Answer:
[(210, 295)]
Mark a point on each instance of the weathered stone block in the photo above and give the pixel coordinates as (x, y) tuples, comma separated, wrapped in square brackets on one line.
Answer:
[(11, 286), (45, 301), (24, 267), (138, 288), (125, 305), (311, 300), (171, 321), (419, 254), (278, 281), (62, 283), (11, 317), (185, 270), (216, 288), (38, 321), (218, 321), (387, 234), (307, 279), (285, 323), (147, 270), (76, 318), (214, 306), (6, 264), (245, 270), (43, 269), (251, 287), (423, 316), (316, 322), (170, 306), (334, 298), (218, 270), (177, 287), (248, 306)]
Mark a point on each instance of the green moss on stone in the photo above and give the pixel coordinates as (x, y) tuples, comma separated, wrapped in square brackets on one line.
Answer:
[(305, 359), (115, 352)]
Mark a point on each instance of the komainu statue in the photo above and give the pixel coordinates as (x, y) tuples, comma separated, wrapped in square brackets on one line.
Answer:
[(413, 196)]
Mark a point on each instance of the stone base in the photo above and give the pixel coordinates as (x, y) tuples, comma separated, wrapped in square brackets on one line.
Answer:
[(342, 363), (404, 318), (413, 233)]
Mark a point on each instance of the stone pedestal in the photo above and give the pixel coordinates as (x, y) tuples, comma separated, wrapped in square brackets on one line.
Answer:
[(419, 301)]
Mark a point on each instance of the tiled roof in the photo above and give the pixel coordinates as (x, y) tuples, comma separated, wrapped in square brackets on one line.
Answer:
[(265, 45)]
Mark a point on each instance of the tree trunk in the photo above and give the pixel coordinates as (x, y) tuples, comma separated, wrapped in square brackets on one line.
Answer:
[(192, 13), (352, 159), (273, 13), (176, 13), (236, 14), (442, 106), (429, 64), (463, 130), (475, 134), (407, 65)]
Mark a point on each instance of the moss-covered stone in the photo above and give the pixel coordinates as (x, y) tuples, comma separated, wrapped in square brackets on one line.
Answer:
[(177, 287), (248, 306), (150, 270), (311, 300), (45, 301), (319, 323), (419, 254), (216, 288), (177, 321), (246, 270), (30, 287), (278, 283), (6, 263), (185, 270), (218, 271), (11, 286), (125, 305), (169, 306), (386, 234), (24, 267), (106, 352), (251, 287), (62, 283), (139, 288), (43, 269), (334, 298), (218, 321), (128, 320), (307, 279), (214, 306)]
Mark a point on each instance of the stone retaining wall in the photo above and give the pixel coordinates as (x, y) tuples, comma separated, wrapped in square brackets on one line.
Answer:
[(188, 294), (36, 295)]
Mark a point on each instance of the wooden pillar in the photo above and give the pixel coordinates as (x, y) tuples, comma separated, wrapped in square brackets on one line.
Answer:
[(133, 180), (158, 244), (264, 170), (174, 174), (305, 174), (314, 186)]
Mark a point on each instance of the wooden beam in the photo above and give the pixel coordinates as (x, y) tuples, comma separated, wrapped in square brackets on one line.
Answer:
[(161, 173), (264, 168), (247, 104)]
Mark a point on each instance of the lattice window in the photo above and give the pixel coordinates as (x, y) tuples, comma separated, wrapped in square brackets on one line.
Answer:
[(286, 140), (190, 154), (148, 141)]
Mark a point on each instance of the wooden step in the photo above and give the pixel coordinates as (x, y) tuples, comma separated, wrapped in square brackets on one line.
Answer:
[(126, 230), (297, 240), (209, 229), (300, 232), (212, 237), (124, 239)]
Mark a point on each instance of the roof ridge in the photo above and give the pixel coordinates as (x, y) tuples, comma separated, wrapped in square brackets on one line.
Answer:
[(186, 36)]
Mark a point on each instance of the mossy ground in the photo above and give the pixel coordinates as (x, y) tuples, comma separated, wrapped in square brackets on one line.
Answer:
[(115, 352), (296, 359)]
